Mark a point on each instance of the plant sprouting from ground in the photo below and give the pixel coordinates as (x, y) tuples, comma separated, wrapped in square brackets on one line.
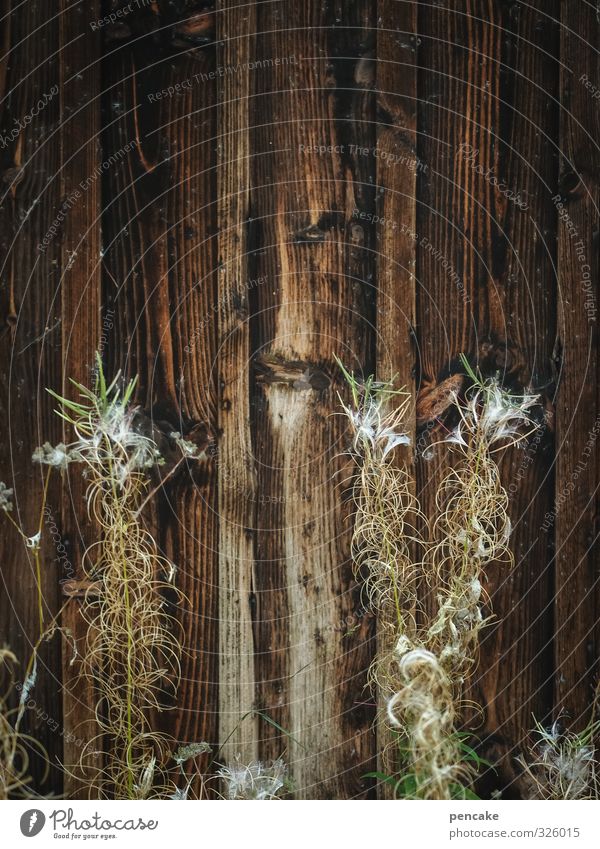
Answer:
[(561, 764), (385, 547), (405, 783), (433, 653), (471, 531), (132, 651)]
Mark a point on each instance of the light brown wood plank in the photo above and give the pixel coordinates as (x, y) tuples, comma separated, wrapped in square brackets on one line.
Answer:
[(237, 479), (316, 302)]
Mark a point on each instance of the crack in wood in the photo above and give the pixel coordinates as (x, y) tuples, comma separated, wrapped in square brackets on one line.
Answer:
[(297, 374)]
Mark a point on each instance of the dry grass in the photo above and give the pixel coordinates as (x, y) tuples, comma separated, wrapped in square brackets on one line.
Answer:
[(423, 676), (133, 650), (560, 764), (15, 747)]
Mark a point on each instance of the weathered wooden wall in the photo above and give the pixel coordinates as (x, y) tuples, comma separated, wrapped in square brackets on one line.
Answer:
[(241, 191)]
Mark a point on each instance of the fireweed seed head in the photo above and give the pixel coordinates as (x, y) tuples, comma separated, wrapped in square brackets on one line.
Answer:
[(180, 794), (493, 413), (190, 751), (561, 764), (58, 456), (504, 415), (118, 424), (255, 780), (455, 437), (375, 429), (376, 415), (6, 496), (187, 448), (143, 788), (34, 541)]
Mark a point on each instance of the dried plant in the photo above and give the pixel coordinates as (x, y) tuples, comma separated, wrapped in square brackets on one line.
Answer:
[(15, 746), (32, 543), (472, 528), (385, 546), (133, 650), (560, 764), (432, 655), (385, 510), (255, 780), (184, 754)]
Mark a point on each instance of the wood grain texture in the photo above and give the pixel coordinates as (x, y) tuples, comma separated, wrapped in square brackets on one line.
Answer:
[(485, 267), (577, 404), (313, 304), (237, 476), (398, 167), (515, 678), (160, 253), (30, 349), (80, 283), (267, 185), (189, 514)]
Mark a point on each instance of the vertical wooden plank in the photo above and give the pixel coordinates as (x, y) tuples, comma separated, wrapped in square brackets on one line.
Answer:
[(516, 668), (189, 517), (309, 107), (485, 259), (237, 482), (80, 282), (160, 254), (29, 346), (575, 511), (398, 166)]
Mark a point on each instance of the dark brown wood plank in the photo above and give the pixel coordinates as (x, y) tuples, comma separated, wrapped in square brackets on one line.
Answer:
[(398, 167), (30, 348), (316, 302), (516, 668), (487, 77), (577, 607), (81, 319), (160, 254), (190, 524)]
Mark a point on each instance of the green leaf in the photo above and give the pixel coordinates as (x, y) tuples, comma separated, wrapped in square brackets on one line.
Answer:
[(129, 391), (406, 787), (87, 393), (70, 405), (468, 794), (469, 370), (101, 380), (350, 380), (65, 417), (268, 719)]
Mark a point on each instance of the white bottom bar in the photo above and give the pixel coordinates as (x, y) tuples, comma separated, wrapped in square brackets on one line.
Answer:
[(311, 825)]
